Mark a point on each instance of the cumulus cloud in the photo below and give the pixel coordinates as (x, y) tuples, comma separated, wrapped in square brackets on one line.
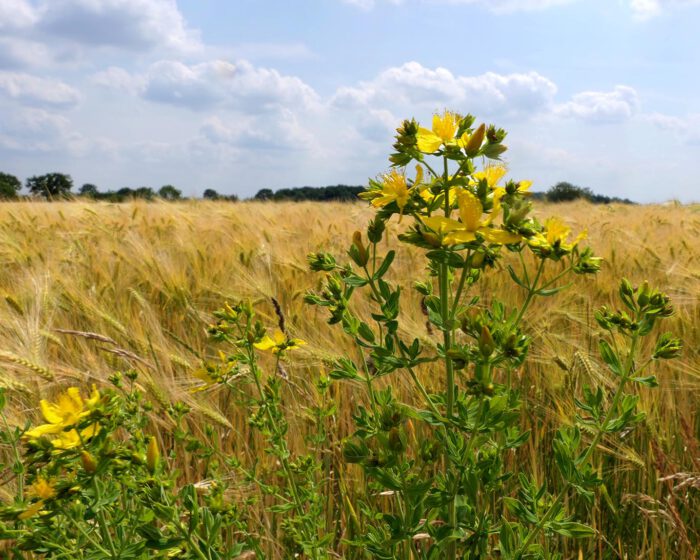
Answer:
[(16, 14), (17, 53), (240, 86), (32, 90), (613, 106), (496, 6), (118, 79), (415, 85), (647, 9), (280, 131), (510, 6), (686, 129), (34, 130), (129, 24), (368, 4)]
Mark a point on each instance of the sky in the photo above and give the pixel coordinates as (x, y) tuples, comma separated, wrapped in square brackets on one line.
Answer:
[(240, 95)]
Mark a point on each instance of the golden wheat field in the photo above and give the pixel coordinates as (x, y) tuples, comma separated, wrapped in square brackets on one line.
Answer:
[(89, 289)]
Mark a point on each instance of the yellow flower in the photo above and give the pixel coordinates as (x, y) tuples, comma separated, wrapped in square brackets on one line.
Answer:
[(555, 235), (492, 173), (470, 212), (524, 186), (32, 510), (444, 128), (67, 411), (278, 342), (70, 439), (41, 488), (394, 189)]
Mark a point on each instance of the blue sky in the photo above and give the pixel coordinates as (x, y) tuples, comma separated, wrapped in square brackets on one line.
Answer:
[(240, 95)]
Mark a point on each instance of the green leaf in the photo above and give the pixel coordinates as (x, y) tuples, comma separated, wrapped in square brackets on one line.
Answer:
[(571, 529), (649, 381), (386, 263), (355, 281), (610, 357), (365, 332), (516, 279)]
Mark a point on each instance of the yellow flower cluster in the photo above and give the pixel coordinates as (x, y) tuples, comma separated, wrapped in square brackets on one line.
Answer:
[(477, 196), (278, 342), (66, 412)]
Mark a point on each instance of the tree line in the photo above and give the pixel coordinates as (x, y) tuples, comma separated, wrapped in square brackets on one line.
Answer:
[(54, 186)]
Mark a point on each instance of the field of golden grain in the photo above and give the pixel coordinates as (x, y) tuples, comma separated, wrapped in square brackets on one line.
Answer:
[(88, 289)]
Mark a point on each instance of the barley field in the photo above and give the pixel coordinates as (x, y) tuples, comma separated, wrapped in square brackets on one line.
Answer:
[(88, 289)]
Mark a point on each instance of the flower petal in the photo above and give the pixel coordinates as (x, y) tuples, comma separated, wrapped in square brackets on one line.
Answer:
[(427, 141)]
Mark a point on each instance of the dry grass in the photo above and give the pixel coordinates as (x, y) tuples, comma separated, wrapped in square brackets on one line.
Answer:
[(92, 288)]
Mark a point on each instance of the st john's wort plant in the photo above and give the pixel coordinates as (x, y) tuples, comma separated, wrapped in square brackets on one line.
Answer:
[(437, 480)]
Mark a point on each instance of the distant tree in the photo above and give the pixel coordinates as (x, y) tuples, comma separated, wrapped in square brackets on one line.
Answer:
[(123, 193), (89, 190), (51, 185), (231, 198), (144, 192), (9, 185), (168, 192), (264, 194), (564, 192), (211, 194)]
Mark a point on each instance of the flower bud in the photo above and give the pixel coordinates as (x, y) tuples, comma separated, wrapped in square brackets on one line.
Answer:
[(475, 140), (152, 455), (88, 462), (358, 252), (668, 347), (643, 294), (486, 343)]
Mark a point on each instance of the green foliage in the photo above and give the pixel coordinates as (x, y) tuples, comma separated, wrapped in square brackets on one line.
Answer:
[(111, 494), (51, 185), (89, 190), (9, 186), (566, 192), (168, 192), (337, 192)]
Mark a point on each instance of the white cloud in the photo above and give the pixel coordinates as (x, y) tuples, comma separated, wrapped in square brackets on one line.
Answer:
[(415, 85), (118, 79), (240, 86), (686, 129), (647, 9), (368, 4), (17, 53), (130, 24), (32, 90), (511, 6), (496, 6), (16, 14), (34, 130), (279, 131), (613, 106)]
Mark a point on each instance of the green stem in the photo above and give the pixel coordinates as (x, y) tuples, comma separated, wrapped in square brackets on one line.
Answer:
[(460, 286), (102, 521), (616, 400), (284, 452), (449, 367), (540, 524), (603, 428), (18, 458), (368, 381), (533, 288)]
